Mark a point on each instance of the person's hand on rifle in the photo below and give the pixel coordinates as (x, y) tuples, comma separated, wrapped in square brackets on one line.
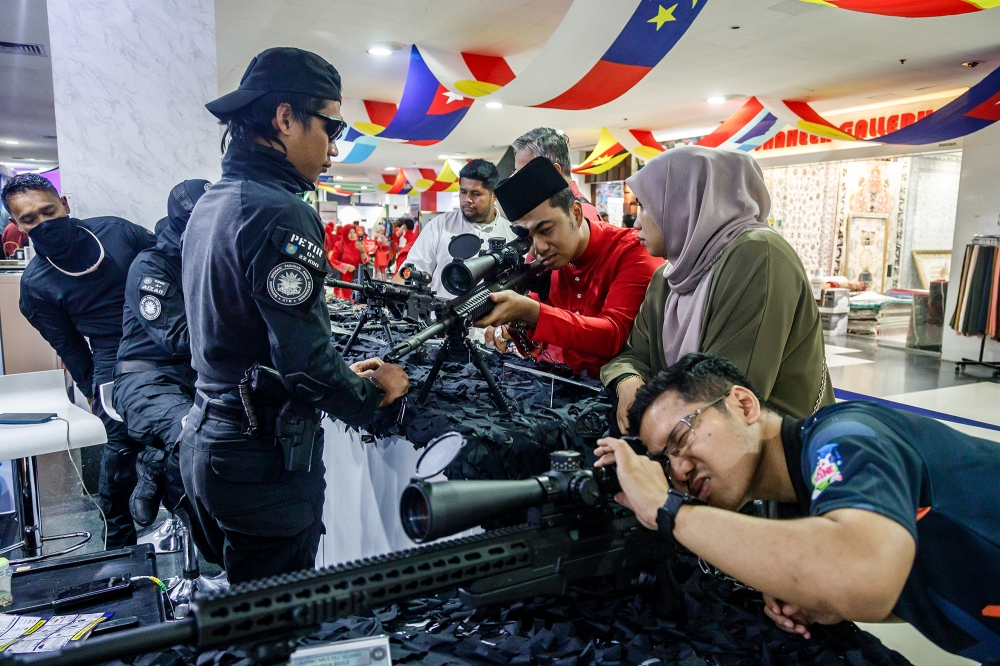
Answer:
[(367, 367), (392, 379), (643, 481), (497, 337), (626, 390), (511, 307)]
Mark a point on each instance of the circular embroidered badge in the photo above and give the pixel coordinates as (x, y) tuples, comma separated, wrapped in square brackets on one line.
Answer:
[(150, 308), (289, 284)]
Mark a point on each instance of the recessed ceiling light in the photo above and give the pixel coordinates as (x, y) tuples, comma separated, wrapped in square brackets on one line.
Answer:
[(442, 157), (385, 48), (364, 187), (559, 131), (717, 99), (389, 169), (338, 178), (11, 142), (493, 105)]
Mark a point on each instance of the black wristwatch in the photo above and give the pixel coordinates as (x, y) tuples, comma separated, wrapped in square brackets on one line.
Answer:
[(665, 514)]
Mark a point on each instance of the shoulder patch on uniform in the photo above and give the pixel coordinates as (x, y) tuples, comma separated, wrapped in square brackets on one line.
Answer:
[(150, 308), (154, 286), (826, 470), (298, 246), (289, 283)]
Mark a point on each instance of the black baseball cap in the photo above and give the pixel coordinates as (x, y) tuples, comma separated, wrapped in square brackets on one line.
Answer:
[(282, 69), (536, 182)]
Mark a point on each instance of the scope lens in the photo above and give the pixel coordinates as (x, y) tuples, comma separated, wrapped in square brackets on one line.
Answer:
[(415, 513), (457, 278)]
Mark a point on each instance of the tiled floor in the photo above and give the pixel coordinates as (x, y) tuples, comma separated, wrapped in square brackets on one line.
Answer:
[(856, 364)]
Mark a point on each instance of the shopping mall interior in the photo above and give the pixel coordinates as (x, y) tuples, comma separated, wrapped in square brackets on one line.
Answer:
[(815, 182)]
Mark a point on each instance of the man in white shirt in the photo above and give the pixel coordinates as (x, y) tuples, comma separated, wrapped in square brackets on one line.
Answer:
[(477, 214)]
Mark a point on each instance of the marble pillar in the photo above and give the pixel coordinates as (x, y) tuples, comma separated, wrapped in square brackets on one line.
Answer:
[(978, 213), (131, 78)]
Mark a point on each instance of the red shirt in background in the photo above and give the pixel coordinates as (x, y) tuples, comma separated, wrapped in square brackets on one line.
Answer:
[(13, 239), (593, 302), (589, 212), (411, 236)]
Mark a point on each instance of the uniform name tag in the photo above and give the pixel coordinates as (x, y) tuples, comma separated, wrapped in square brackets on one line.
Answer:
[(298, 246), (154, 286)]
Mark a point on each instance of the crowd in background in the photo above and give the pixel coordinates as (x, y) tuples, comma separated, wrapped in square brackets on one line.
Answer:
[(352, 245)]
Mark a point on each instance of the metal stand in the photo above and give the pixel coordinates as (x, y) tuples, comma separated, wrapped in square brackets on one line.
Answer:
[(992, 365), (182, 589), (165, 538), (454, 340), (378, 311), (30, 520)]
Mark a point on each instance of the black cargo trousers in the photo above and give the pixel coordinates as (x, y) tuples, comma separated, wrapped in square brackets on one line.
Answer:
[(259, 519)]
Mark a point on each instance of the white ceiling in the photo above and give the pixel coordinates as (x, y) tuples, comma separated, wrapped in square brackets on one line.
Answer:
[(783, 48), (27, 112)]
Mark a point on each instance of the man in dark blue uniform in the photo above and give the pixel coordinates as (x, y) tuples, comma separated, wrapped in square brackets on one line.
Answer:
[(253, 271), (903, 511), (154, 381), (73, 293)]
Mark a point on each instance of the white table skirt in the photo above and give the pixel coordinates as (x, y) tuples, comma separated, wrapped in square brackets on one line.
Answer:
[(363, 484)]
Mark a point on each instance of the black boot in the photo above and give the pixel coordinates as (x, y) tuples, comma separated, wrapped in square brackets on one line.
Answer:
[(150, 467)]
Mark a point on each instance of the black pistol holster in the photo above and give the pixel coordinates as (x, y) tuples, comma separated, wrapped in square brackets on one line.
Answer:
[(271, 411)]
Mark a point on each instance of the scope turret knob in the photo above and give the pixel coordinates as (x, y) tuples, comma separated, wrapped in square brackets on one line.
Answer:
[(565, 461)]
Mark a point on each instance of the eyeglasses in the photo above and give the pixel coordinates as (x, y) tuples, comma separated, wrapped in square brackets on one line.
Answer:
[(683, 433), (335, 127)]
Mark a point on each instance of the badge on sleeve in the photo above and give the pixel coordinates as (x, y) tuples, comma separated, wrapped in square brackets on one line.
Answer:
[(150, 308), (299, 247), (827, 469), (154, 286), (289, 283)]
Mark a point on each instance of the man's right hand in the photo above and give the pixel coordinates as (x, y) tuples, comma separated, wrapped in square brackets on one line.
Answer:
[(494, 336), (393, 380), (626, 396)]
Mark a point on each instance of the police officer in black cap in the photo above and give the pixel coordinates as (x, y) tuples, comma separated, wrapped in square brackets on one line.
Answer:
[(253, 271), (73, 293), (154, 381)]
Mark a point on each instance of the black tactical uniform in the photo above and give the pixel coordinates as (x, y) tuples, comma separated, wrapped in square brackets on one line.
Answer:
[(154, 381), (73, 293), (253, 271)]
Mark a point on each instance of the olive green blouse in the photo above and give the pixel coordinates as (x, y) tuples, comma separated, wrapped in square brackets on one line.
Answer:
[(761, 315)]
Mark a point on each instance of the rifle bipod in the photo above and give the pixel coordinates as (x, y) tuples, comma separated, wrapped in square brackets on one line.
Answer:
[(455, 338), (378, 310)]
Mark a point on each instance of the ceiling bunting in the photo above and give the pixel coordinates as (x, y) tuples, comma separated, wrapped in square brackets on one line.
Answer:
[(910, 8), (979, 107), (606, 155), (429, 180), (746, 129), (638, 142), (395, 184), (427, 112), (624, 41), (355, 147), (334, 190)]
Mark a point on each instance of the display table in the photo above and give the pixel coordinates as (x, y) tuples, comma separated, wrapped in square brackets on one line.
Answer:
[(41, 392)]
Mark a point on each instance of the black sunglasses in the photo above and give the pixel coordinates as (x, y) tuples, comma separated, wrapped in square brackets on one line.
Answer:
[(335, 127)]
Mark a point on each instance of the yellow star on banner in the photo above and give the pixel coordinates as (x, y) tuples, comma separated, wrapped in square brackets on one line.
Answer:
[(662, 16)]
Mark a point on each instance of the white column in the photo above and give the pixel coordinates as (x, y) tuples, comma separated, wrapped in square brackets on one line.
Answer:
[(978, 213), (131, 78)]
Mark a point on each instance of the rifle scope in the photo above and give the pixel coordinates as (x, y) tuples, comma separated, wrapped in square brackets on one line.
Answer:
[(460, 275), (430, 511)]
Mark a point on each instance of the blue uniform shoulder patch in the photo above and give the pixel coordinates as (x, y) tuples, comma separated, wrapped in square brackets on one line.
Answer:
[(289, 283), (297, 246), (150, 308), (153, 285)]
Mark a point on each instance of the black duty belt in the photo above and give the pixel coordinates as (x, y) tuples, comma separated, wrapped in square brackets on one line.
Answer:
[(126, 367), (218, 409)]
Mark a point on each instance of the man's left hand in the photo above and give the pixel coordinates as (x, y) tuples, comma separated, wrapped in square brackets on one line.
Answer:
[(366, 367), (644, 484), (511, 307)]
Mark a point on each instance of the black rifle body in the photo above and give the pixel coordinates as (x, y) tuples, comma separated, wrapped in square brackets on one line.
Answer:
[(558, 547)]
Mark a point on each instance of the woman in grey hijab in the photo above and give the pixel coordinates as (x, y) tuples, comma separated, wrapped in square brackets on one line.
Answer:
[(732, 287)]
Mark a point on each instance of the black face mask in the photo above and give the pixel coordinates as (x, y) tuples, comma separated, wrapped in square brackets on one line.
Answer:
[(54, 238), (66, 244)]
